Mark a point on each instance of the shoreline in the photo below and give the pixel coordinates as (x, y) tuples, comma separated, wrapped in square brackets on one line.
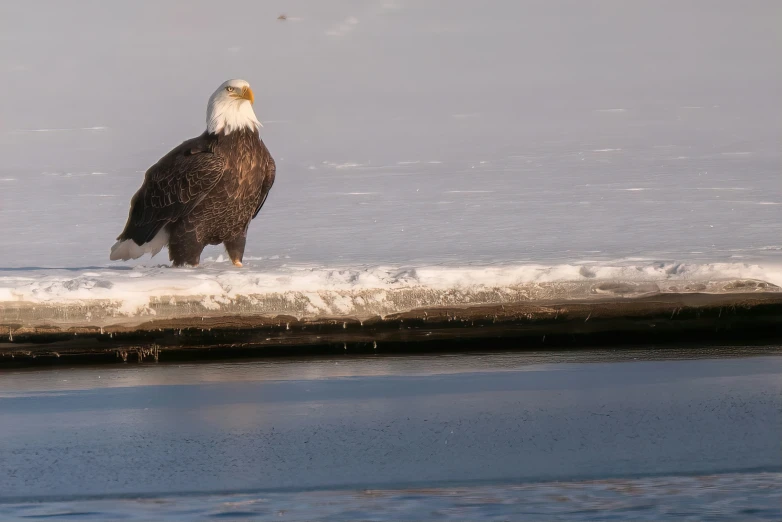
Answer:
[(55, 334)]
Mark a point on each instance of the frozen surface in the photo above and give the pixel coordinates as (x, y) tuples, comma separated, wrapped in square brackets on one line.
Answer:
[(409, 134)]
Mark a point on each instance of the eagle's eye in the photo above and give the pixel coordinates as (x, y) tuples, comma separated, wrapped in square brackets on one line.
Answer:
[(229, 89)]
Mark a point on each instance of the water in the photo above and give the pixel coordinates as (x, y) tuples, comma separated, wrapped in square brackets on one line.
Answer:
[(634, 434), (752, 496)]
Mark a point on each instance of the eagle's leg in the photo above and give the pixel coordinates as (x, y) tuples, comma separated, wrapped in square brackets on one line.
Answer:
[(184, 248), (235, 249)]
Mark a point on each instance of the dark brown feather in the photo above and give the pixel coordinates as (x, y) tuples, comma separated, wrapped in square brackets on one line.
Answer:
[(205, 191)]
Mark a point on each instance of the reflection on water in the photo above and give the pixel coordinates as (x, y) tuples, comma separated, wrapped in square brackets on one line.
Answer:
[(756, 496), (38, 381)]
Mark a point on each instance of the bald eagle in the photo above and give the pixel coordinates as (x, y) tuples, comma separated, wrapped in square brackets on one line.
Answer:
[(205, 191)]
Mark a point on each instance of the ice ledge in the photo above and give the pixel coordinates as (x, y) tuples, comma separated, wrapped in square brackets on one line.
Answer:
[(356, 303), (104, 316), (103, 296), (665, 318)]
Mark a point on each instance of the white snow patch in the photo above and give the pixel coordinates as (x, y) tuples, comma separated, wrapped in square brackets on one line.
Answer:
[(347, 165), (97, 128), (343, 28), (751, 203), (721, 188), (73, 174), (361, 290)]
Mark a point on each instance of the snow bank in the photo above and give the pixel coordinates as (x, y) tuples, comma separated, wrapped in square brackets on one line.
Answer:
[(107, 295)]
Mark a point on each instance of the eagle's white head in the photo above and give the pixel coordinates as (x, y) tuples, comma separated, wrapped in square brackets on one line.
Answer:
[(231, 108)]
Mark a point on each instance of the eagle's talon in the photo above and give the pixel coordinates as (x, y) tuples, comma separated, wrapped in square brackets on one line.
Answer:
[(237, 263)]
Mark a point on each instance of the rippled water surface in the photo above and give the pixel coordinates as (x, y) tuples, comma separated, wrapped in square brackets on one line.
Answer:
[(754, 496), (588, 435)]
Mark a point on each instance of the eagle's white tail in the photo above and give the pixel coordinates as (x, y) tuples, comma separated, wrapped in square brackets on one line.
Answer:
[(128, 249)]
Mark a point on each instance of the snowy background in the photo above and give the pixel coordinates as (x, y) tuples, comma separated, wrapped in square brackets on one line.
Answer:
[(414, 133)]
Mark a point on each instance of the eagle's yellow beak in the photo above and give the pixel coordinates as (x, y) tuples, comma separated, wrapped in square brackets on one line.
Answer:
[(247, 94)]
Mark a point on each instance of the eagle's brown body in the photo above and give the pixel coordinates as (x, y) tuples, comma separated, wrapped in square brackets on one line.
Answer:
[(204, 192)]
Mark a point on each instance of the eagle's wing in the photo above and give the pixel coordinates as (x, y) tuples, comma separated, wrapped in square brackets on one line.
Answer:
[(269, 169), (172, 187)]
